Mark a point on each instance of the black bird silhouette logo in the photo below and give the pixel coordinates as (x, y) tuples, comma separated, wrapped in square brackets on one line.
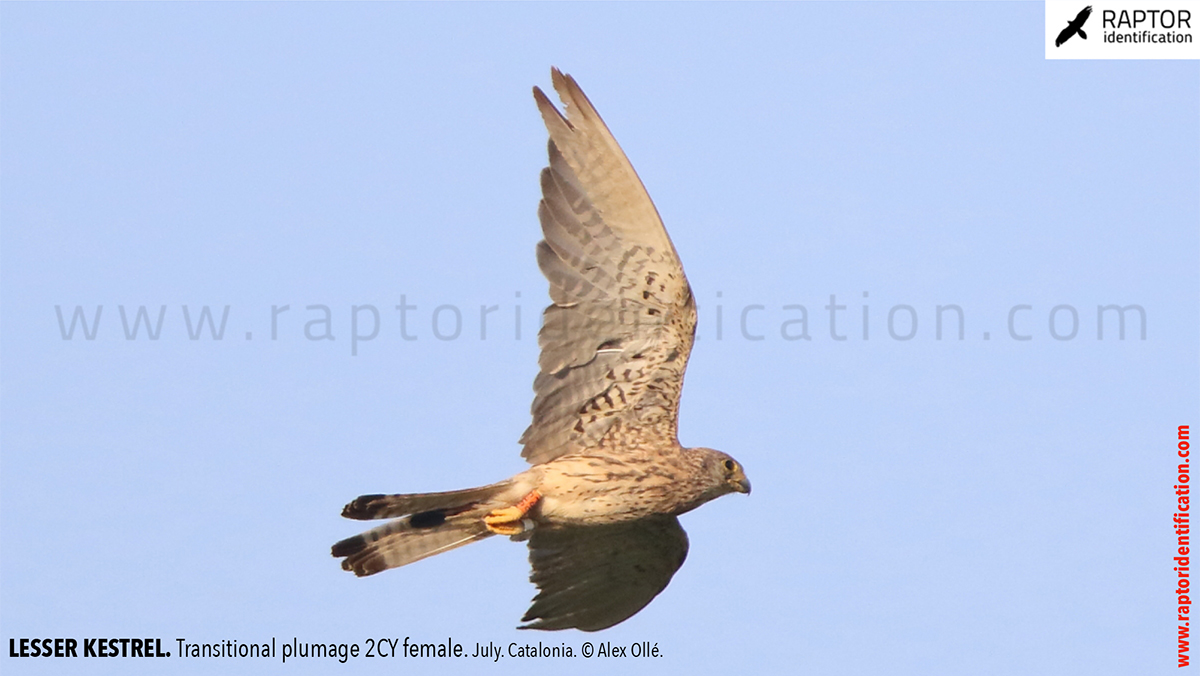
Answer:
[(1074, 27)]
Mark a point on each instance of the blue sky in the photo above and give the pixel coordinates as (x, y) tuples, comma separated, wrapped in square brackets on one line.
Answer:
[(979, 505)]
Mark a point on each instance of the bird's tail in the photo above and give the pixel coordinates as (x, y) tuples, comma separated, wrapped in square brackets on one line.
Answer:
[(1082, 34), (429, 523)]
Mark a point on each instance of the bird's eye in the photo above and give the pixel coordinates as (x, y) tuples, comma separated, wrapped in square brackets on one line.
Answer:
[(729, 465)]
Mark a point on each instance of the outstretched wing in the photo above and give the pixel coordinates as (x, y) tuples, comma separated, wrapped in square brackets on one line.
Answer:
[(593, 577), (1064, 35), (615, 341)]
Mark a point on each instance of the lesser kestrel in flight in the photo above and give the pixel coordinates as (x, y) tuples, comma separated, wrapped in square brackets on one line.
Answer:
[(608, 477)]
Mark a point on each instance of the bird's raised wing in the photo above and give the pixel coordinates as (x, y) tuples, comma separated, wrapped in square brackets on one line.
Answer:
[(592, 577), (615, 340)]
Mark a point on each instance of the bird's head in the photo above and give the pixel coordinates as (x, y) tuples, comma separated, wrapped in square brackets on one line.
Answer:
[(726, 473)]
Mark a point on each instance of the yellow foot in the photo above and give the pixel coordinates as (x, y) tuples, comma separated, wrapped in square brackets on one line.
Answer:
[(511, 520), (509, 527)]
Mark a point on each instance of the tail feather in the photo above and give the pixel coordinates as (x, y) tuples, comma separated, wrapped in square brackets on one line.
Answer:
[(431, 523), (389, 506), (398, 543)]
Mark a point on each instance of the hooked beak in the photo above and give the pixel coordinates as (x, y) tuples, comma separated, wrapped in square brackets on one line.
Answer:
[(740, 483)]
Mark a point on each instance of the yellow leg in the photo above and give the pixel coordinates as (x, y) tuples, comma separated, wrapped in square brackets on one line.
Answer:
[(510, 520)]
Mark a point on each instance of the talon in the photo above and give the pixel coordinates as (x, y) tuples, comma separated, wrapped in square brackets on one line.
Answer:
[(504, 515), (507, 528), (511, 520)]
